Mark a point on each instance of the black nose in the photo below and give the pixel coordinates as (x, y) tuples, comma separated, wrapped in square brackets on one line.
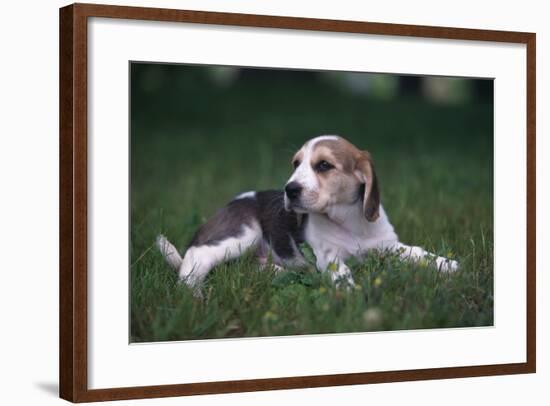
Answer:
[(293, 190)]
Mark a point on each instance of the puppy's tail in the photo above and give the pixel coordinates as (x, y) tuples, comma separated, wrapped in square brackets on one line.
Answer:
[(170, 253)]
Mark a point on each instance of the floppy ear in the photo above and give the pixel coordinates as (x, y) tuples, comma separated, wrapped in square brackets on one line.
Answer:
[(367, 175)]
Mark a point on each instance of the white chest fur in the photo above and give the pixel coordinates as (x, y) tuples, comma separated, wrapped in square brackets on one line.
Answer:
[(344, 232)]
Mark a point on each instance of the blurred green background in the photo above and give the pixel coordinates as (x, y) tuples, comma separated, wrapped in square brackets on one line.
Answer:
[(200, 135)]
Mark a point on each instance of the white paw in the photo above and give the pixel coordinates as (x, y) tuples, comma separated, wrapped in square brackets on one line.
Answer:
[(266, 264), (447, 265), (194, 284), (341, 276)]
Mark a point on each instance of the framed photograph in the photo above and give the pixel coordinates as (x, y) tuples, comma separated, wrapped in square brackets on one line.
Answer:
[(255, 202)]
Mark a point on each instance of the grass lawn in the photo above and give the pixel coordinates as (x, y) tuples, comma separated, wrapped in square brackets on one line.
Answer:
[(190, 154)]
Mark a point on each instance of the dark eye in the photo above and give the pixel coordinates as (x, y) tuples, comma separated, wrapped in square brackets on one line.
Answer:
[(323, 166), (296, 164)]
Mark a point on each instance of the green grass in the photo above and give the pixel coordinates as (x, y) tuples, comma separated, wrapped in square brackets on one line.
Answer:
[(190, 154)]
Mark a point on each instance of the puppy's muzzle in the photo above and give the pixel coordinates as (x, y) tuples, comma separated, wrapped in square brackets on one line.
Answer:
[(293, 190)]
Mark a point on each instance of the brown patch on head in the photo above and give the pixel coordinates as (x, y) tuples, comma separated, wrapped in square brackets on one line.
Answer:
[(340, 152), (371, 198), (352, 168)]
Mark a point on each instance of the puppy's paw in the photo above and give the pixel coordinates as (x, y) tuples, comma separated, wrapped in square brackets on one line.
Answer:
[(447, 265), (265, 264), (346, 284), (195, 286), (341, 276)]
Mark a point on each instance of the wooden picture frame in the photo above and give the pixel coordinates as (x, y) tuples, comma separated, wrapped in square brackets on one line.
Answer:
[(74, 201)]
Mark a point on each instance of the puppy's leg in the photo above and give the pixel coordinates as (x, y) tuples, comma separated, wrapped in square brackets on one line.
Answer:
[(280, 252), (330, 262), (416, 254), (200, 259), (267, 259)]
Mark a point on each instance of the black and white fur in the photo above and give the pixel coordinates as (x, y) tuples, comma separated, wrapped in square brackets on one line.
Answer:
[(274, 223)]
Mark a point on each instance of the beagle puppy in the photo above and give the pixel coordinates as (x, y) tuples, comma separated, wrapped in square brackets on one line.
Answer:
[(331, 202)]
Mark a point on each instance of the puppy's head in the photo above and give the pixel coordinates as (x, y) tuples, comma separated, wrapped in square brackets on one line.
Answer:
[(329, 170)]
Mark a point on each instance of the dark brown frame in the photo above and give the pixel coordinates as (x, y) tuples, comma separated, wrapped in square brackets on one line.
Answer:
[(73, 202)]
